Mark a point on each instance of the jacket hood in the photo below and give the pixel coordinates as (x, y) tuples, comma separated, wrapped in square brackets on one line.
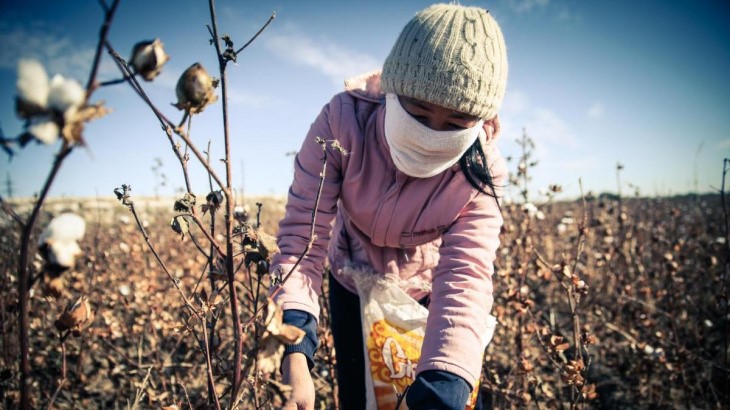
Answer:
[(366, 86)]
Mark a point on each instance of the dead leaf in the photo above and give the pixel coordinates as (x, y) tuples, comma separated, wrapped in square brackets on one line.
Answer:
[(75, 120), (76, 317)]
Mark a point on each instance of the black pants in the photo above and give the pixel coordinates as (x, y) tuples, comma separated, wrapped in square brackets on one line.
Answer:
[(347, 334)]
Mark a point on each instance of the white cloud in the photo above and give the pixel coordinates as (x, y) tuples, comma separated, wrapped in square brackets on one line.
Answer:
[(579, 164), (549, 131), (723, 144), (514, 102), (567, 16), (330, 59), (249, 100), (523, 6), (546, 125), (57, 53), (596, 110)]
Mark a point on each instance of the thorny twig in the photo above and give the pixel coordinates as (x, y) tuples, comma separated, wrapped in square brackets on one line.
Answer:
[(113, 82), (194, 215), (312, 236), (63, 379), (208, 364), (130, 204), (229, 266), (271, 18), (209, 338), (141, 390), (724, 275), (8, 210), (542, 343), (103, 32)]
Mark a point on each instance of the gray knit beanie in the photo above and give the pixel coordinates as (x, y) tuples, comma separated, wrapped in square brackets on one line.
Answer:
[(452, 56)]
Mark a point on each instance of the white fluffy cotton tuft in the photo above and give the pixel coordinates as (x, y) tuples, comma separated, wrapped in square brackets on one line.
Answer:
[(65, 227), (44, 129), (64, 94), (64, 253), (59, 239), (32, 85)]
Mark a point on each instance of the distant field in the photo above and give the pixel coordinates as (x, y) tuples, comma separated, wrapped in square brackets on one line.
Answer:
[(645, 278)]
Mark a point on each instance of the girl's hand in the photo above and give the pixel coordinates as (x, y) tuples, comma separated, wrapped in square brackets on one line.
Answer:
[(295, 372)]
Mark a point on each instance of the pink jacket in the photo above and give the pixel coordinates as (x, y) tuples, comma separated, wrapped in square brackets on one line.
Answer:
[(436, 230)]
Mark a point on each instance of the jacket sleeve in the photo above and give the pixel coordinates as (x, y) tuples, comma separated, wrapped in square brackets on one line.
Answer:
[(461, 294), (434, 389), (302, 289)]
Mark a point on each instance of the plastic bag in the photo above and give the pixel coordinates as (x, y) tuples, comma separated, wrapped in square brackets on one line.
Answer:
[(394, 325)]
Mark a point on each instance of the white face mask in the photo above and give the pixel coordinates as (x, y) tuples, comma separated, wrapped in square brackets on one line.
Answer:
[(416, 149)]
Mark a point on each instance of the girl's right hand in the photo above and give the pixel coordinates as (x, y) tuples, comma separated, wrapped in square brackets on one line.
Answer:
[(295, 372)]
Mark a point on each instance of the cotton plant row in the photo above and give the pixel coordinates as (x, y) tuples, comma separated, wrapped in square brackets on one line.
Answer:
[(535, 343), (596, 303)]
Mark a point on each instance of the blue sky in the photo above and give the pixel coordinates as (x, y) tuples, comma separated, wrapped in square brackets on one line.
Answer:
[(594, 83)]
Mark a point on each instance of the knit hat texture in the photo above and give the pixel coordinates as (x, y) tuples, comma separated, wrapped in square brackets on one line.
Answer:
[(452, 56)]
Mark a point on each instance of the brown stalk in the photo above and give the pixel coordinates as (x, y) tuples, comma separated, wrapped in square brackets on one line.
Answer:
[(229, 266), (574, 299), (214, 321), (23, 274), (24, 279), (174, 281), (8, 210), (62, 380), (619, 167), (208, 364), (194, 216), (724, 276)]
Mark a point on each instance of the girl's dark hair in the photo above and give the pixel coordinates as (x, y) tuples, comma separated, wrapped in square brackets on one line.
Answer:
[(474, 166)]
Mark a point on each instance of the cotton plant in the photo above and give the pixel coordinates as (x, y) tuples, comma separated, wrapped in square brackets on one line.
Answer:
[(531, 210), (52, 108), (59, 241)]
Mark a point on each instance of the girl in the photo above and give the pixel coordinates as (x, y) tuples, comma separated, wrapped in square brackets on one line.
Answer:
[(416, 197)]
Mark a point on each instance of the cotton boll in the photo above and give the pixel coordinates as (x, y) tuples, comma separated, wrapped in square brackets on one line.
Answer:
[(65, 227), (32, 85), (32, 88), (58, 242), (63, 253), (65, 94), (195, 89), (148, 57), (44, 129), (531, 210)]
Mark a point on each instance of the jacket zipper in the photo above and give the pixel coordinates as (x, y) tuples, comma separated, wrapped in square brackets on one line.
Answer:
[(377, 229)]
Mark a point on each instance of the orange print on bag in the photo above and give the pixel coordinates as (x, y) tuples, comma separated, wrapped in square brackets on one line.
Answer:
[(394, 353)]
